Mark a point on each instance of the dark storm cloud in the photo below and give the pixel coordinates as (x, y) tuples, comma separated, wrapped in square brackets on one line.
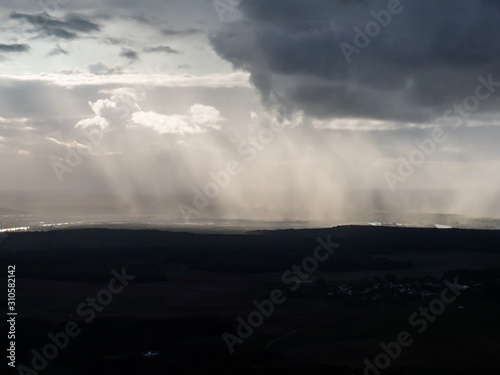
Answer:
[(116, 41), (426, 58), (160, 49), (67, 28), (173, 32), (58, 51), (129, 54), (148, 19), (14, 47), (100, 68)]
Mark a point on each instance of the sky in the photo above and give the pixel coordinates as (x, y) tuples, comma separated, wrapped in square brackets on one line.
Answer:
[(324, 111)]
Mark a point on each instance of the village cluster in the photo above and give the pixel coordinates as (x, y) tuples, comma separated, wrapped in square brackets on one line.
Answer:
[(379, 290)]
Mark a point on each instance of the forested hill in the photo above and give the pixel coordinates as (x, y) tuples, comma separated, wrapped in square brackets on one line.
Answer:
[(89, 254), (366, 239)]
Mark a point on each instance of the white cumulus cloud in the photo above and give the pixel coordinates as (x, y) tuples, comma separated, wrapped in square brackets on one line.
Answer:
[(122, 110), (199, 119)]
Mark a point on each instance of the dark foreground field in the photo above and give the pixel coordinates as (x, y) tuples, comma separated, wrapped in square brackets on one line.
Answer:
[(388, 301)]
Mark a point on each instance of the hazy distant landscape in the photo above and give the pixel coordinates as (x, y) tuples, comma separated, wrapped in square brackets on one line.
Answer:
[(18, 221)]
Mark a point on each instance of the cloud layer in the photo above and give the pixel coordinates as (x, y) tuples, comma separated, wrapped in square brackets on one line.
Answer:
[(122, 110), (420, 59), (66, 28)]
